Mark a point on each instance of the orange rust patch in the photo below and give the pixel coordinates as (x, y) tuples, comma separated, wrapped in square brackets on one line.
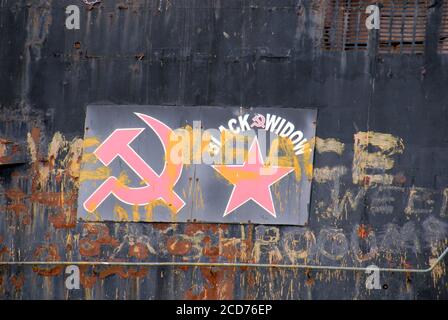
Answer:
[(122, 273), (219, 285), (363, 231), (210, 251), (3, 249), (64, 220), (139, 251), (4, 157), (15, 194), (89, 248), (183, 268), (18, 207), (161, 226), (193, 228), (230, 251), (309, 280), (97, 235), (109, 271), (51, 253), (137, 273), (178, 247), (18, 281), (54, 199), (87, 281), (35, 134), (48, 272)]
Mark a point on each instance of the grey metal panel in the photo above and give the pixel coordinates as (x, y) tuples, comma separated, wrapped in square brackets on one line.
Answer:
[(101, 121), (292, 198), (204, 190)]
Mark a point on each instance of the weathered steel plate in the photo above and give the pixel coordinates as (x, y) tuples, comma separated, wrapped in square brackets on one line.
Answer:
[(204, 164)]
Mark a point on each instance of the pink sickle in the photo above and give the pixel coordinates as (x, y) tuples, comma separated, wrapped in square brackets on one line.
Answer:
[(158, 186)]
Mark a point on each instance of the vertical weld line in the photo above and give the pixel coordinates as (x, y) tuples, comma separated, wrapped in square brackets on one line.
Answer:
[(346, 30), (344, 24), (358, 23), (391, 20), (210, 52), (325, 33), (403, 23), (148, 47), (332, 25), (243, 43), (414, 28), (336, 27), (328, 24), (384, 46), (340, 28), (334, 39), (182, 56), (441, 30), (444, 27), (241, 53)]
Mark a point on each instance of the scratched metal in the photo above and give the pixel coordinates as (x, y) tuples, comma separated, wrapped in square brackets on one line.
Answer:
[(224, 53), (205, 192)]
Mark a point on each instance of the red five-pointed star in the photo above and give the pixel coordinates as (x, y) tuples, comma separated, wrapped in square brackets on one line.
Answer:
[(252, 180)]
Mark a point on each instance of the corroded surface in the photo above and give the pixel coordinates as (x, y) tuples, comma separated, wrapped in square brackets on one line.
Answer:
[(380, 171)]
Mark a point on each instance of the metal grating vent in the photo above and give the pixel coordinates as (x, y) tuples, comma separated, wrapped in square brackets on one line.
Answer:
[(443, 35), (344, 25), (402, 29), (403, 26)]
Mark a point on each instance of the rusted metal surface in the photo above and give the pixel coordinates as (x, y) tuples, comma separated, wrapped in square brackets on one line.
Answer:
[(403, 25), (380, 180), (434, 264)]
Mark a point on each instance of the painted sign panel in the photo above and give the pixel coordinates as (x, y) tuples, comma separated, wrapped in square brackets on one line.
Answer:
[(203, 164)]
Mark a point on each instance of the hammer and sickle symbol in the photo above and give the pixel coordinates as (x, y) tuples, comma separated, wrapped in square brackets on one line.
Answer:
[(157, 186), (258, 121)]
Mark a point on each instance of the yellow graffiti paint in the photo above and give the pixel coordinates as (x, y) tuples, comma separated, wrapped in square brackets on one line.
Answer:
[(135, 213), (101, 173), (91, 142), (149, 208), (32, 148), (364, 160), (329, 145), (327, 174), (121, 213)]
